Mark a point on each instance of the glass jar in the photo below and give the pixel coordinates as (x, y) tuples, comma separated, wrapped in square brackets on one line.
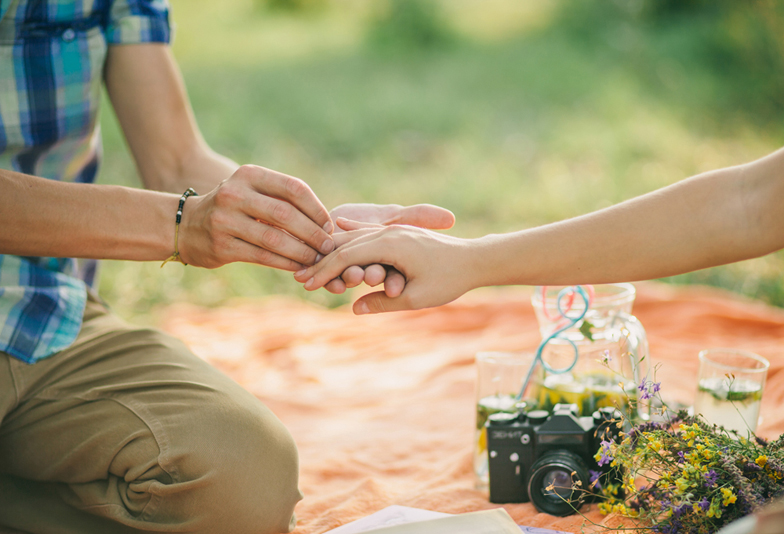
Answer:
[(611, 344)]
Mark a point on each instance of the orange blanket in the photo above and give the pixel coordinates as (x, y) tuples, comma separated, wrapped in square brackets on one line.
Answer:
[(382, 407)]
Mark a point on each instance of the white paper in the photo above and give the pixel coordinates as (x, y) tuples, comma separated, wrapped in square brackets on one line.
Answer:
[(389, 516), (400, 515)]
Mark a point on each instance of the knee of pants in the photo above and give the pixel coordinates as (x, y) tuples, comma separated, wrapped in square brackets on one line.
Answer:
[(234, 468)]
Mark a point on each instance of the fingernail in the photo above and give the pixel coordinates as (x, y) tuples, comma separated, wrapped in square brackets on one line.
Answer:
[(310, 283), (327, 246), (362, 309), (299, 273), (328, 227), (319, 257)]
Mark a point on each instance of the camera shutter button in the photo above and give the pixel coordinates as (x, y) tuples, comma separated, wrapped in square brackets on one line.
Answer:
[(503, 418), (537, 417)]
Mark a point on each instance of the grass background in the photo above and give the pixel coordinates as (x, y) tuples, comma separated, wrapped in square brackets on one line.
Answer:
[(511, 114)]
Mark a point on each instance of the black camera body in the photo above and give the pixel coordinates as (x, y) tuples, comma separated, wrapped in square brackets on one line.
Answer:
[(540, 457)]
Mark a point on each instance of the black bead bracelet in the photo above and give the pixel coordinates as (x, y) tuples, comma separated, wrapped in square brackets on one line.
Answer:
[(176, 256)]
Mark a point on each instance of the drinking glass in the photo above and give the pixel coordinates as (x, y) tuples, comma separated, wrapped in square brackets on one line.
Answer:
[(500, 376), (729, 388)]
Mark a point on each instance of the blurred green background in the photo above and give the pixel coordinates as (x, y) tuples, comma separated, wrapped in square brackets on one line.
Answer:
[(510, 113)]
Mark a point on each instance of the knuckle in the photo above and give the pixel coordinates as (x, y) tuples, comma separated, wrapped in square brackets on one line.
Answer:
[(271, 238), (316, 237), (246, 171), (296, 187), (217, 219), (282, 213), (378, 305), (263, 256), (226, 194), (307, 256), (342, 255)]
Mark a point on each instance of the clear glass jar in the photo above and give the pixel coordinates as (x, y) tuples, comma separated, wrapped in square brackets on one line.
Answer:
[(611, 344)]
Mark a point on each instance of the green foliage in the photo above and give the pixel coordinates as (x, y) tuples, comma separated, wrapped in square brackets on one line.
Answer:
[(301, 7), (565, 117), (410, 26), (735, 50)]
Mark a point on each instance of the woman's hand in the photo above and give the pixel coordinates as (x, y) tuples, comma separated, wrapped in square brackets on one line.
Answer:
[(421, 215), (256, 216), (437, 268)]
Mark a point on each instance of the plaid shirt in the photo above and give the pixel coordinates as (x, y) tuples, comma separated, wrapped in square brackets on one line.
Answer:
[(52, 54)]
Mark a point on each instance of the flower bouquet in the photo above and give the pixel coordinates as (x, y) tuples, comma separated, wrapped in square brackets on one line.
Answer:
[(683, 475)]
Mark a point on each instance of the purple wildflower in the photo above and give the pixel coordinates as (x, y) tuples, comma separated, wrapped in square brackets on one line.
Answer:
[(605, 452), (680, 510), (648, 388), (751, 467), (704, 504), (642, 386), (681, 458), (710, 478)]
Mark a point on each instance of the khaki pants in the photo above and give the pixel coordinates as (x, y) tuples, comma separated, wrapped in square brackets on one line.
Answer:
[(128, 431)]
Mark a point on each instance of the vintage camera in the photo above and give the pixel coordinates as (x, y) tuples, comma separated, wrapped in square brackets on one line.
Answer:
[(539, 457)]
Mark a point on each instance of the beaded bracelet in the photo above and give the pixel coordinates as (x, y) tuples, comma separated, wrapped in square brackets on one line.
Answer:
[(176, 256)]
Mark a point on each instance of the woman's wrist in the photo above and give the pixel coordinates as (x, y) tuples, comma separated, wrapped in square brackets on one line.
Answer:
[(496, 260), (483, 260)]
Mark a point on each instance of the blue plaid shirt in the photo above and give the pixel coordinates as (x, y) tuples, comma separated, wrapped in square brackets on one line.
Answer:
[(52, 55)]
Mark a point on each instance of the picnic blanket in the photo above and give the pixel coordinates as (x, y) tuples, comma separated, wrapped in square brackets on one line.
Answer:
[(382, 407)]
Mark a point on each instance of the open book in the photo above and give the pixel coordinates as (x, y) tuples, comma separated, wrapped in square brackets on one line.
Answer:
[(404, 520)]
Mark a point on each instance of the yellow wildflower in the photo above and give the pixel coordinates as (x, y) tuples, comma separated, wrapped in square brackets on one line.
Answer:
[(729, 497), (682, 485), (620, 508), (761, 460)]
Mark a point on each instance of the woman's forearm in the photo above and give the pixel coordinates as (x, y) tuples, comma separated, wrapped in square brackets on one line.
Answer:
[(711, 219), (41, 217)]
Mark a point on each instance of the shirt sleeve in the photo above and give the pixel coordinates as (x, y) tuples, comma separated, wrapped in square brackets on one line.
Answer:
[(138, 21)]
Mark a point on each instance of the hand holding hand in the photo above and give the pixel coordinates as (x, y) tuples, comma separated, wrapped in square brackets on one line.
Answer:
[(257, 216), (421, 215), (437, 268)]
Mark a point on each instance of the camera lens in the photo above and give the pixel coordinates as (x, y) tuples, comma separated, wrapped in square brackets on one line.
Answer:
[(559, 483), (553, 485)]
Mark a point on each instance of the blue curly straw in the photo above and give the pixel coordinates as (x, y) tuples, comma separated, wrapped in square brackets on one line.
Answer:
[(557, 334)]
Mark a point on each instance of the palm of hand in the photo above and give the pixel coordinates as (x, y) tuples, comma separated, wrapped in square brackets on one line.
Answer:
[(421, 215)]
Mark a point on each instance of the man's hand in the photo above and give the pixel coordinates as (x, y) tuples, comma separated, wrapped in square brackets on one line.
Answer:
[(421, 215), (256, 216)]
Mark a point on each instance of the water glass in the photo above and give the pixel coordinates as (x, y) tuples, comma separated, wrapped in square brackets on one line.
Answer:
[(729, 388)]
